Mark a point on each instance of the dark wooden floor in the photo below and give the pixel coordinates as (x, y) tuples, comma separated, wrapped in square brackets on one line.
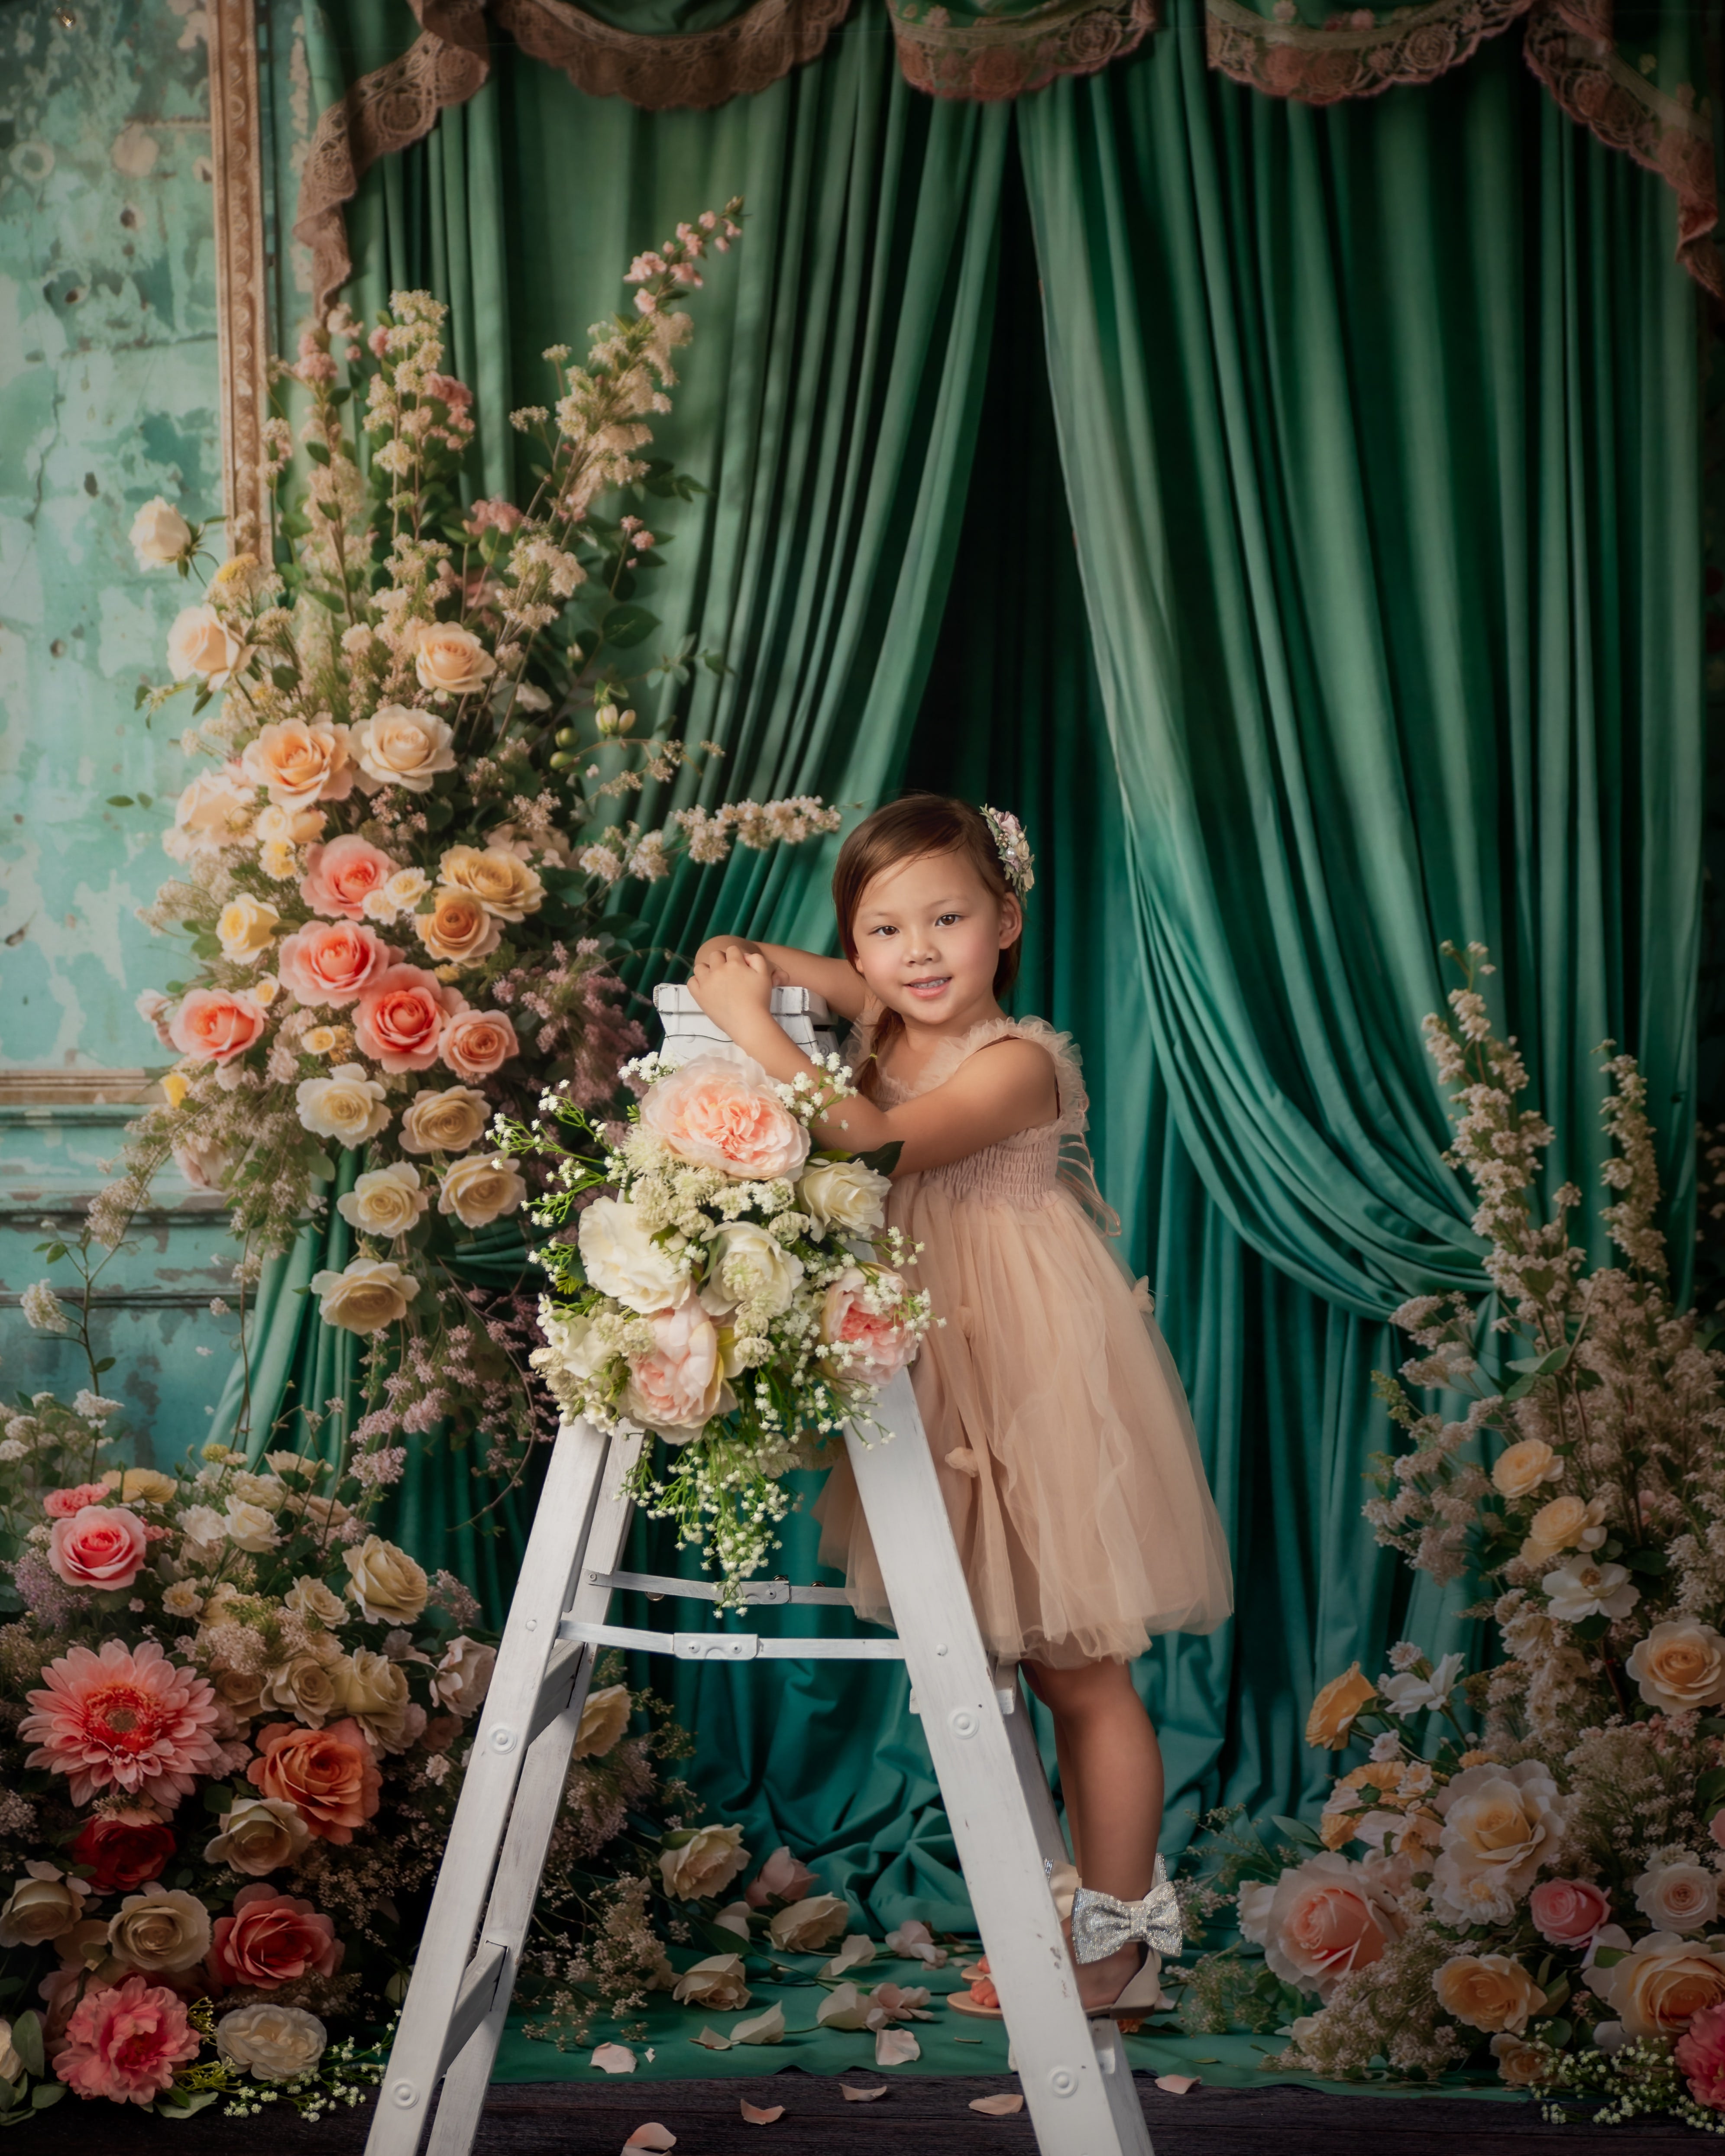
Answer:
[(920, 2113)]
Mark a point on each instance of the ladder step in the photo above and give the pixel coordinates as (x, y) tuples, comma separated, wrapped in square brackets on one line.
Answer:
[(474, 2000), (731, 1646), (769, 1592), (556, 1686)]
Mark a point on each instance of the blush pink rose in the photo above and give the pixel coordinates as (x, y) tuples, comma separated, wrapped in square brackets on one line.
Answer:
[(399, 1020), (1701, 2056), (1319, 1921), (677, 1387), (1715, 1828), (477, 1043), (340, 876), (61, 1504), (101, 1546), (1567, 1912), (271, 1939), (724, 1114), (213, 1026), (332, 962), (124, 2041), (880, 1345)]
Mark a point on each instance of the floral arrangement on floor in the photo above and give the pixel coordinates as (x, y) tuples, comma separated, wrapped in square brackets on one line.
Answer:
[(411, 810), (714, 1294), (1538, 1884)]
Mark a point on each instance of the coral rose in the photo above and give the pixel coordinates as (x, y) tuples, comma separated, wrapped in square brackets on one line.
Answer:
[(367, 1295), (1680, 1665), (123, 1849), (805, 1926), (328, 1775), (349, 1105), (124, 2041), (603, 1719), (300, 762), (679, 1387), (1501, 1824), (477, 1043), (501, 880), (723, 1113), (158, 1930), (1521, 1470), (1488, 1991), (701, 1861), (400, 746), (871, 1341), (332, 962), (1662, 1982), (1701, 2056), (200, 642), (1567, 1912), (457, 928), (399, 1020), (448, 1121), (123, 1720), (271, 2043), (478, 1191), (271, 1939), (245, 928), (385, 1201), (103, 1545), (1320, 1921), (340, 876), (451, 661), (62, 1504), (259, 1834), (213, 1025)]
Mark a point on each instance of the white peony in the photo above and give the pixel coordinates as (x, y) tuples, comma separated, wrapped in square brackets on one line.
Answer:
[(844, 1195), (622, 1260), (749, 1267), (385, 1201), (348, 1105), (271, 2043), (1582, 1589), (159, 534)]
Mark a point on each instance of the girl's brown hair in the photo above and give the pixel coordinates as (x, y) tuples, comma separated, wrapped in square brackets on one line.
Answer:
[(906, 830)]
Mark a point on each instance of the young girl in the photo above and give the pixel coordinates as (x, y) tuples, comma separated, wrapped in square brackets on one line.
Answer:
[(1057, 1421)]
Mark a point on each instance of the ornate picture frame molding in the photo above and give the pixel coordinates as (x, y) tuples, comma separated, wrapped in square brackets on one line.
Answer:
[(242, 278)]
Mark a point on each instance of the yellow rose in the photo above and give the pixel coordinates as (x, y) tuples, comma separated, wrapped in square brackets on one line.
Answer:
[(245, 929), (603, 1720), (501, 882), (1334, 1710), (458, 927), (445, 1123), (1520, 1471), (1488, 1991), (389, 1588), (478, 1190), (451, 661), (175, 1086), (143, 1485), (703, 1863), (160, 1930), (368, 1294), (1680, 1665)]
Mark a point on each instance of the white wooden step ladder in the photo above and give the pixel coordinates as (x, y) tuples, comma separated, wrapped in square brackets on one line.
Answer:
[(1074, 2071)]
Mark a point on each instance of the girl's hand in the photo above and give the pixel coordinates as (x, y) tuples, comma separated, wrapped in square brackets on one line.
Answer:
[(716, 947), (732, 982)]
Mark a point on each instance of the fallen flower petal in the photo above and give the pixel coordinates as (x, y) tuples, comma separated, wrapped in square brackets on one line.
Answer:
[(852, 2094), (753, 2115), (710, 2040), (843, 2009), (1176, 2084), (857, 1950), (768, 2027), (1006, 2105), (617, 2059), (652, 2135), (895, 2047)]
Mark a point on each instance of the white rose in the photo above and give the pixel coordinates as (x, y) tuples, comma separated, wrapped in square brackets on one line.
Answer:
[(271, 2043), (462, 1677), (245, 929), (368, 1293), (478, 1190), (603, 1719), (1677, 1897), (159, 534), (451, 661), (622, 1260), (399, 747), (1501, 1824), (348, 1105), (1680, 1665), (845, 1195), (250, 1527), (573, 1343), (385, 1201), (388, 1586), (204, 1529), (752, 1268), (448, 1121), (704, 1862), (717, 1982), (200, 642)]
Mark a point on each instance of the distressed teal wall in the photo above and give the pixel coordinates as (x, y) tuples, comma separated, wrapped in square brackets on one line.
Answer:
[(108, 380)]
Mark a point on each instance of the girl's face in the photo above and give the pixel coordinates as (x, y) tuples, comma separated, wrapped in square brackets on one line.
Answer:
[(928, 933)]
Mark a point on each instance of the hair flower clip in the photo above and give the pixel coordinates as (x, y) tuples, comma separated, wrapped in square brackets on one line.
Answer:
[(1013, 849)]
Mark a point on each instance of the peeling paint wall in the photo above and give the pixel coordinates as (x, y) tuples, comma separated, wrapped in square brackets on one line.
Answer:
[(108, 396)]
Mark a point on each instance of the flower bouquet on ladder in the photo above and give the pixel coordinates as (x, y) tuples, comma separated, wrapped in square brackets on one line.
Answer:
[(418, 740), (1536, 1887), (718, 1284)]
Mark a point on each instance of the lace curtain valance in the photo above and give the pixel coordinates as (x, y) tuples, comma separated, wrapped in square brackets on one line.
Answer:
[(1631, 79)]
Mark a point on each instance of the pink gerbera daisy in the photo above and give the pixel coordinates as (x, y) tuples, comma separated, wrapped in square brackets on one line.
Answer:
[(128, 1721)]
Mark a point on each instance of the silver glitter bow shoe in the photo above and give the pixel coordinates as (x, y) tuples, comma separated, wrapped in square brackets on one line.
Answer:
[(1102, 1925)]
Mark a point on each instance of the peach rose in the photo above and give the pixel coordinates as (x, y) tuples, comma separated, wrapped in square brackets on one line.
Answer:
[(399, 1020), (300, 762), (1521, 1470), (332, 962), (1501, 1824), (213, 1025), (1489, 1991), (200, 642), (501, 880), (328, 1775), (340, 876), (1566, 1522), (1318, 1922), (399, 747), (100, 1546), (679, 1386), (451, 661), (875, 1345), (1567, 1912), (478, 1191), (213, 812), (1680, 1665), (477, 1043), (457, 928), (723, 1114), (245, 929), (1659, 1986), (1520, 2064), (445, 1123)]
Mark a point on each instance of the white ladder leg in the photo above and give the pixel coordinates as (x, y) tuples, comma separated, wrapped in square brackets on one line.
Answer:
[(1075, 2078), (537, 1801), (447, 1997)]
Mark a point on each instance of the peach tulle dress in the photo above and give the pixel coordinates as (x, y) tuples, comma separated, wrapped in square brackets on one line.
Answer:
[(1059, 1426)]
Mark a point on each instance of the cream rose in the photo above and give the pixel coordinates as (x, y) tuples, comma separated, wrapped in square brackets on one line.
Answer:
[(368, 1293), (269, 2042), (1680, 1664), (305, 1688), (603, 1719), (1521, 1470), (501, 881), (385, 1201), (290, 827), (213, 812), (1488, 1991), (43, 1905), (679, 1386), (308, 1596), (751, 1269), (300, 762), (717, 1982), (844, 1195), (159, 534), (348, 1105), (445, 1123), (621, 1258), (389, 1588), (457, 928), (374, 1690), (397, 895), (1678, 1897), (806, 1926), (200, 642), (1319, 1922), (462, 1677), (722, 1112), (160, 1929), (259, 1834), (1661, 1984), (245, 929), (478, 1190), (1501, 1824), (250, 1527), (399, 747), (704, 1861), (451, 661)]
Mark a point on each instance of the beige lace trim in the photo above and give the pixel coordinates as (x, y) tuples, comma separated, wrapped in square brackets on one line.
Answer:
[(985, 61), (383, 112), (1322, 67), (699, 68)]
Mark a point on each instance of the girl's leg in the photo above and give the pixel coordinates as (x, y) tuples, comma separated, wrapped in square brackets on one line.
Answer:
[(1111, 1772)]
